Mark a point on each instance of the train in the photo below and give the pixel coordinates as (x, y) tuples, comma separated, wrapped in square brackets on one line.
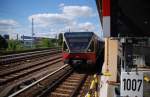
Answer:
[(81, 48)]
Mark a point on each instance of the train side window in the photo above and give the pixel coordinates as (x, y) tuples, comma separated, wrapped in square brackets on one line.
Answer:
[(91, 48)]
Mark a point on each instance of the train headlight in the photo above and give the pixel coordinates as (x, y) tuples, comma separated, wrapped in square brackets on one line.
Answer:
[(89, 50), (89, 61), (91, 47), (67, 50)]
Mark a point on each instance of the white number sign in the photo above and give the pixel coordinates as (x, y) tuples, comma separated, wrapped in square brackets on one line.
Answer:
[(132, 84)]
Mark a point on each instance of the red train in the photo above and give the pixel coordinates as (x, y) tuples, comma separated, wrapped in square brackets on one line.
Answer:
[(80, 48)]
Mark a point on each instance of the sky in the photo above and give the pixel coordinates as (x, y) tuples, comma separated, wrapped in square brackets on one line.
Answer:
[(50, 17)]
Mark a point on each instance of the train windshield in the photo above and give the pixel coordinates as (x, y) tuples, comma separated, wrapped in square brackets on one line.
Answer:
[(78, 42)]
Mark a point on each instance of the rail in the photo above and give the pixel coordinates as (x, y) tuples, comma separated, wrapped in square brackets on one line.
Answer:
[(25, 56), (25, 53), (28, 55), (36, 82), (4, 53)]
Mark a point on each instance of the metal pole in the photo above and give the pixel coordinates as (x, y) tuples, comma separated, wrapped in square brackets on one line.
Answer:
[(17, 36), (32, 33)]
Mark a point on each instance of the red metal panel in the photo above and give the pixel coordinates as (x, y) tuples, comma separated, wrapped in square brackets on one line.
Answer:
[(106, 7), (85, 56)]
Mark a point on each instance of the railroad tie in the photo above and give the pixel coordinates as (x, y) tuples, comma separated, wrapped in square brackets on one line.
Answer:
[(67, 83), (65, 86), (77, 78), (71, 80), (60, 94), (62, 89)]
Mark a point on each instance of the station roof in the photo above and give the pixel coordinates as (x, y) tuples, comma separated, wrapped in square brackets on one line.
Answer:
[(129, 18)]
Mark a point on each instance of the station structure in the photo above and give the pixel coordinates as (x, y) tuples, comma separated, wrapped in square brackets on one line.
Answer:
[(125, 71)]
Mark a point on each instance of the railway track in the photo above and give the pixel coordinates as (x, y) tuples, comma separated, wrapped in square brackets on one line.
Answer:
[(67, 88), (14, 73), (28, 72), (64, 82), (38, 87), (20, 75), (14, 58), (4, 53), (15, 54), (21, 67), (19, 63)]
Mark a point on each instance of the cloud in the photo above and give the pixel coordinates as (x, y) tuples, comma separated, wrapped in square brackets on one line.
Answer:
[(68, 18), (50, 19), (61, 5), (77, 11), (87, 26), (7, 26), (8, 23)]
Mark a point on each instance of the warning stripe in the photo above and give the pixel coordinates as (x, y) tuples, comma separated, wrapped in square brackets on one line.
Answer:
[(106, 26), (106, 7), (94, 85), (147, 79), (106, 17)]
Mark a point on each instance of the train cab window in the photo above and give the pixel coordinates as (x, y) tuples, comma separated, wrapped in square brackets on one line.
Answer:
[(65, 47), (91, 48)]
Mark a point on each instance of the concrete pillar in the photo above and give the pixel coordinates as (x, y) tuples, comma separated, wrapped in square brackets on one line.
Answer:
[(109, 70)]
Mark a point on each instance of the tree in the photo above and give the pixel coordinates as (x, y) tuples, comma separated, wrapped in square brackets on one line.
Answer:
[(3, 43), (14, 45), (60, 40), (45, 42)]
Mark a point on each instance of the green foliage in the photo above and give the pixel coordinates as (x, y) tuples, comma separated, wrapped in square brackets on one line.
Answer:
[(11, 45), (45, 43), (14, 45)]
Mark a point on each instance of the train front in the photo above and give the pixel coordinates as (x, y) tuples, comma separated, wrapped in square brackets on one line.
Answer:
[(78, 48)]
